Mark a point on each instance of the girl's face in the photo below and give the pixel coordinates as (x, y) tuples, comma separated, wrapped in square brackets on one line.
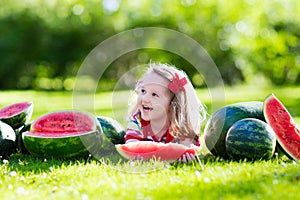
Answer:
[(154, 98)]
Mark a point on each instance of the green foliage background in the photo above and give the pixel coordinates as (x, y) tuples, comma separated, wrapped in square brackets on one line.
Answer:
[(43, 43)]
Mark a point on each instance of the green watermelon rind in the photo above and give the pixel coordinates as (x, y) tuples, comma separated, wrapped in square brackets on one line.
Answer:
[(19, 140), (250, 139), (218, 124), (290, 124), (58, 147), (112, 129), (113, 133), (19, 119)]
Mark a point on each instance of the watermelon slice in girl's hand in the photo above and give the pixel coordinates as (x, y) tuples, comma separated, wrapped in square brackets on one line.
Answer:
[(147, 150)]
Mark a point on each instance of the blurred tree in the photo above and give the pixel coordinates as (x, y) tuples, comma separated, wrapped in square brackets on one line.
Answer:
[(43, 43)]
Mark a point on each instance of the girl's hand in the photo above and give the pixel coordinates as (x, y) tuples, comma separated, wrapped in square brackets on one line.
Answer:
[(187, 157)]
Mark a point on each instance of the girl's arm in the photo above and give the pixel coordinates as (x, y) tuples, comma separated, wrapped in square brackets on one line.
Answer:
[(186, 142), (133, 135), (190, 141)]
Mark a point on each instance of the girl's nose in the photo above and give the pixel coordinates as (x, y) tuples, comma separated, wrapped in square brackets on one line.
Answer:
[(146, 98)]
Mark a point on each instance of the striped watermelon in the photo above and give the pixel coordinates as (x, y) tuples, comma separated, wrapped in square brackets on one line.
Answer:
[(219, 123), (113, 133), (250, 139), (17, 115), (112, 129), (64, 134)]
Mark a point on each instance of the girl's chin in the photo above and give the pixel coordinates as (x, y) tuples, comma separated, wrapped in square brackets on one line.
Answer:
[(145, 117)]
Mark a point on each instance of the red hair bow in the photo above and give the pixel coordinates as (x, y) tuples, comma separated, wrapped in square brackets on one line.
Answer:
[(177, 84)]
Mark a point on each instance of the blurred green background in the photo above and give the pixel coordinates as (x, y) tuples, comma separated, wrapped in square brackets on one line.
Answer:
[(44, 42)]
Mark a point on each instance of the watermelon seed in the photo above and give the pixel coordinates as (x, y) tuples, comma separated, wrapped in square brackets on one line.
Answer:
[(282, 111)]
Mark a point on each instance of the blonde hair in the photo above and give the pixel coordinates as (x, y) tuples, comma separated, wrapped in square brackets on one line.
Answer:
[(186, 110)]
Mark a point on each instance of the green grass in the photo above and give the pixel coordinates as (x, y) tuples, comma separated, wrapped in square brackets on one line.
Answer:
[(28, 177)]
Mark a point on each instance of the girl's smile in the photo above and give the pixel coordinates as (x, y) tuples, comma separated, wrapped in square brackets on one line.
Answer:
[(147, 108)]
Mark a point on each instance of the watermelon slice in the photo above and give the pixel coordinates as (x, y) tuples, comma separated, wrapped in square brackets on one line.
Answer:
[(287, 133), (154, 150), (17, 115)]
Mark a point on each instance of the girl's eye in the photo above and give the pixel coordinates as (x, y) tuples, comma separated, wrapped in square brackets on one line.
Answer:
[(143, 91), (154, 94)]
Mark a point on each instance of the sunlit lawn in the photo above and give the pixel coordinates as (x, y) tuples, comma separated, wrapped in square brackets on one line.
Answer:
[(27, 177), (115, 104)]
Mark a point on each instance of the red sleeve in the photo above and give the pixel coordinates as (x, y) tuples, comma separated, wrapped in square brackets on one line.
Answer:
[(134, 134)]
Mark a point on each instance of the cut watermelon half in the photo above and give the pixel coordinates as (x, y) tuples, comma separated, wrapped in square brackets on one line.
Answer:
[(64, 134), (147, 150), (287, 133)]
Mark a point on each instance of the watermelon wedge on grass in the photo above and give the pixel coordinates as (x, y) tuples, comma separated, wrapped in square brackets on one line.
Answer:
[(147, 150), (17, 115), (287, 132), (64, 134)]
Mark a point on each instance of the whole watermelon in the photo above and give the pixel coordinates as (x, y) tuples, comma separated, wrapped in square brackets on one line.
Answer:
[(113, 133), (219, 123), (250, 139), (7, 140)]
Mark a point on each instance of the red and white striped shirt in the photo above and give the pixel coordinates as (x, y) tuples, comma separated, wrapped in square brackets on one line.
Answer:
[(139, 129)]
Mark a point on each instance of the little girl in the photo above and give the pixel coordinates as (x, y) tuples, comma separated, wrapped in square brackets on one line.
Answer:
[(167, 109)]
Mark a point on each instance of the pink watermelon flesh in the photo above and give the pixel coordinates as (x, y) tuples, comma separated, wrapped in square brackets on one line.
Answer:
[(14, 109), (63, 123), (287, 133), (148, 150), (55, 135)]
